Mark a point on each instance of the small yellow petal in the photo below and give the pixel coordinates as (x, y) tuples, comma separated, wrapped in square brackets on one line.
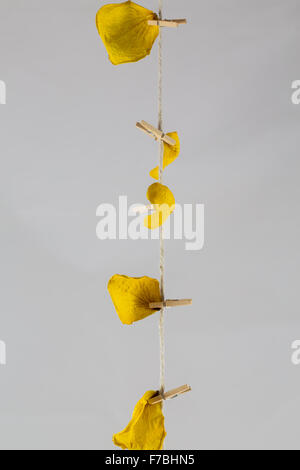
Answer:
[(171, 152), (146, 430), (125, 32), (131, 297), (161, 197)]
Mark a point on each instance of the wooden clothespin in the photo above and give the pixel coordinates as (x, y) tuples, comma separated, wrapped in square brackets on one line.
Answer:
[(170, 395), (155, 133), (167, 23), (170, 303)]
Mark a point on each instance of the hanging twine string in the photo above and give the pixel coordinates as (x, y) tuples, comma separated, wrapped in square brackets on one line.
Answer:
[(161, 231)]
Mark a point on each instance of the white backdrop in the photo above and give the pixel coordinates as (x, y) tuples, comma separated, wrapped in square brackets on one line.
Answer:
[(68, 143)]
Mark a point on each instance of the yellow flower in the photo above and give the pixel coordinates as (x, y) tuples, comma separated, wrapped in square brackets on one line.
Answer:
[(171, 152), (146, 430), (131, 297), (125, 32), (161, 197)]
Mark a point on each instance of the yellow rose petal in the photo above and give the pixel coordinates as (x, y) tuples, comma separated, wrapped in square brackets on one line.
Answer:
[(162, 198), (125, 32), (131, 297), (171, 152), (146, 430)]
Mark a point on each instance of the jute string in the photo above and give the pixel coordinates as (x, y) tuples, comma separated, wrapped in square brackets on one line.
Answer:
[(161, 231)]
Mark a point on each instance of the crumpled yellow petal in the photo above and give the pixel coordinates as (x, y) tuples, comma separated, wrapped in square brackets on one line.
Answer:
[(171, 152), (125, 32), (161, 197), (146, 430), (131, 297)]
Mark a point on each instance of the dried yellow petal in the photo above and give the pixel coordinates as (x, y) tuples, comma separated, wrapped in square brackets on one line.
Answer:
[(161, 197), (146, 430), (171, 152), (125, 32), (131, 297)]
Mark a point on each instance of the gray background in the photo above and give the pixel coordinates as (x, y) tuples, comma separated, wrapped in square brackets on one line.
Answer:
[(68, 143)]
